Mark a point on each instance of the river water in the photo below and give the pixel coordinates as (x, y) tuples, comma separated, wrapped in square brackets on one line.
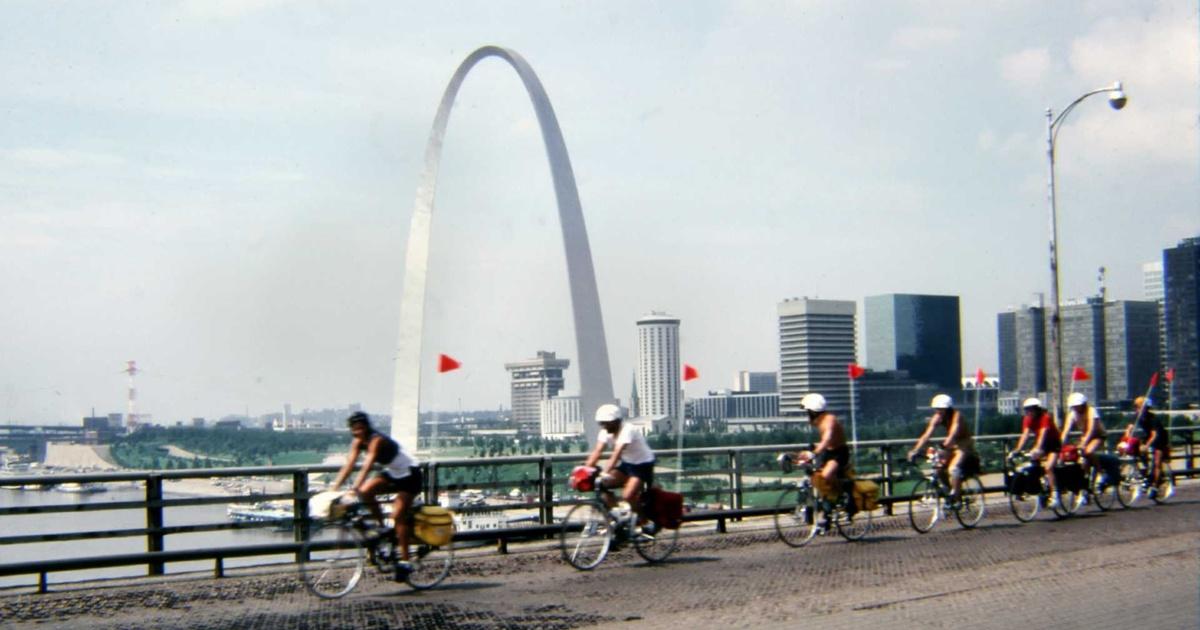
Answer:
[(107, 520)]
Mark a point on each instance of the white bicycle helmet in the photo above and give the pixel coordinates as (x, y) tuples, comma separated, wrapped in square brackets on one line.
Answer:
[(609, 413), (813, 402), (1032, 402), (941, 401), (1076, 399)]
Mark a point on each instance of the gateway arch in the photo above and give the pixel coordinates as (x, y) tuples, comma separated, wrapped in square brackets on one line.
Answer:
[(594, 374)]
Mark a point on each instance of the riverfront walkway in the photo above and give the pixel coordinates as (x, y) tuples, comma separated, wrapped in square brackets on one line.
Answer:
[(1137, 568)]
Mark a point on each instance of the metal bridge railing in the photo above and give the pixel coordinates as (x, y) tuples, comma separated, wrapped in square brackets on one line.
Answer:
[(720, 484)]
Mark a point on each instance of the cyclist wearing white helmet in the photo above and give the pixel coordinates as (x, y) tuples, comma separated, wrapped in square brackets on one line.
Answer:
[(1048, 442), (632, 462), (831, 455), (1085, 418), (959, 443)]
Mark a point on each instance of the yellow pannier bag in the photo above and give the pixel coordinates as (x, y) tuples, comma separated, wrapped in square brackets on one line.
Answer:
[(434, 525), (866, 495)]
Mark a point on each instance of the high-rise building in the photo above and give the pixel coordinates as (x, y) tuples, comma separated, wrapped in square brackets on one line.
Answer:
[(561, 417), (816, 344), (1082, 330), (1154, 291), (658, 366), (760, 382), (918, 334), (533, 381), (1128, 359), (1022, 345), (1181, 285), (1152, 281)]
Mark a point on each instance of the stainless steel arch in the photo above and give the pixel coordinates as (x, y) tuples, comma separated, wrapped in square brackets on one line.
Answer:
[(594, 374)]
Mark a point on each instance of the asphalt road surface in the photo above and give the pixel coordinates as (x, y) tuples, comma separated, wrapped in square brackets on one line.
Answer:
[(1137, 568)]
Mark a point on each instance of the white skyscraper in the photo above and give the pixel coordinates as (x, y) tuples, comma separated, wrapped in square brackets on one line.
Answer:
[(1152, 280), (816, 346), (658, 369)]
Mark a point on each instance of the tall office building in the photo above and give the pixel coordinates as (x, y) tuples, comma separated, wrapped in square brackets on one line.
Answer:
[(1022, 345), (658, 369), (534, 380), (918, 334), (1083, 346), (1129, 360), (1181, 284), (816, 344), (1153, 290), (760, 382)]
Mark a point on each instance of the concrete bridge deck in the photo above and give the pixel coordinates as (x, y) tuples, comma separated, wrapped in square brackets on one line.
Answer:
[(1137, 568)]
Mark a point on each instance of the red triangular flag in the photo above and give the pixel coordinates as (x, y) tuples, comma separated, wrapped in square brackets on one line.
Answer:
[(1153, 380), (980, 377), (1170, 375), (690, 373), (1079, 374), (447, 363), (855, 370)]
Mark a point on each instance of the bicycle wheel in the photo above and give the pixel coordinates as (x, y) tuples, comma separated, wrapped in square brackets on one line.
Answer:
[(795, 516), (970, 507), (925, 506), (1105, 496), (1069, 502), (1166, 485), (430, 565), (586, 536), (657, 546), (1129, 487), (852, 527), (1024, 506), (332, 565)]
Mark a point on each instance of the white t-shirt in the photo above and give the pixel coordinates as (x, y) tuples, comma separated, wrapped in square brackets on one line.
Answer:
[(636, 450)]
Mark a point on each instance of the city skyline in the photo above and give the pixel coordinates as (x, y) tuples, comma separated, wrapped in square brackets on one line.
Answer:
[(220, 190)]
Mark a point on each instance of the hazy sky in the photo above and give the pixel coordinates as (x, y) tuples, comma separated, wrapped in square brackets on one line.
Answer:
[(221, 190)]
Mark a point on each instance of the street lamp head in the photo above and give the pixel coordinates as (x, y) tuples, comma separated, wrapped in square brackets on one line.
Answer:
[(1116, 96)]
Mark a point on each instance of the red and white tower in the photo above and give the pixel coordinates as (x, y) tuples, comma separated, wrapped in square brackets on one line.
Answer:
[(131, 419)]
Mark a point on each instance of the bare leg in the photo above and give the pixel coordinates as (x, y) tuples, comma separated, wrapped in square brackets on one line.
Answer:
[(371, 488), (400, 515), (632, 493), (955, 468), (1051, 460)]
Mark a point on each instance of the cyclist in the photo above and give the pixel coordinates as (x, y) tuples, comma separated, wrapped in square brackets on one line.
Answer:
[(959, 443), (1046, 445), (831, 456), (631, 465), (400, 474), (1149, 428), (1091, 430)]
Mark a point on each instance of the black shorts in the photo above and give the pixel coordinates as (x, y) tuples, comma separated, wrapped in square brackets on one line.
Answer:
[(645, 472), (839, 455), (412, 483)]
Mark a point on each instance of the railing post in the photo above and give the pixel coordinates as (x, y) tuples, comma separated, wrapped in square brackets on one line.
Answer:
[(154, 521), (1189, 450), (300, 520), (735, 480), (885, 452), (431, 483), (546, 491)]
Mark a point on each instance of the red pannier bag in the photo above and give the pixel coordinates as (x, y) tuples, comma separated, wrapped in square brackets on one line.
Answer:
[(582, 479), (1129, 446), (665, 508), (1070, 454)]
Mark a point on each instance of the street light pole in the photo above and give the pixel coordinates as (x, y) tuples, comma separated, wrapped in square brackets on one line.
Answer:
[(1116, 99)]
